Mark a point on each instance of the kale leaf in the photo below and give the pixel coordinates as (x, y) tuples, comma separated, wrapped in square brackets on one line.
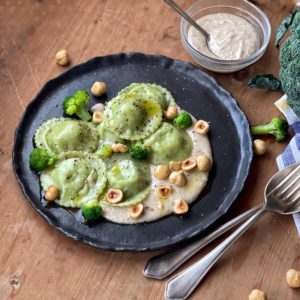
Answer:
[(265, 81), (283, 27)]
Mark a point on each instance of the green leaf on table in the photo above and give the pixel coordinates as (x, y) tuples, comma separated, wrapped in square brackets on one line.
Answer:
[(284, 26), (265, 81)]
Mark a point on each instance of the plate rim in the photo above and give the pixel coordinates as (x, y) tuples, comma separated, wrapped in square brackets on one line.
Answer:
[(247, 159)]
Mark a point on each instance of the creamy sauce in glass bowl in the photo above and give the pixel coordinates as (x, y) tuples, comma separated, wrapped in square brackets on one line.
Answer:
[(232, 37)]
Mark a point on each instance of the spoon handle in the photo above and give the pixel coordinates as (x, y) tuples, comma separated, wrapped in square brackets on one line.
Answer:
[(161, 266), (184, 283), (187, 17)]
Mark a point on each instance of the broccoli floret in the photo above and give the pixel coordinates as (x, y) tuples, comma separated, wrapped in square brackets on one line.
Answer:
[(278, 127), (76, 105), (104, 151), (40, 159), (183, 120), (139, 152), (91, 211)]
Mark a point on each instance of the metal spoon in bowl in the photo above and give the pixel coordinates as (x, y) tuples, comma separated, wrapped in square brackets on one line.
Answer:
[(282, 195), (206, 35)]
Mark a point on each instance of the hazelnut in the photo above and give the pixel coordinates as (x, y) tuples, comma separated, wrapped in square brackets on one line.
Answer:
[(97, 107), (171, 112), (62, 58), (98, 88), (97, 117), (188, 164), (119, 148), (114, 196), (162, 172), (163, 191), (136, 211), (52, 193), (180, 207), (204, 163), (257, 295), (259, 147), (293, 278), (201, 127), (175, 165), (178, 178)]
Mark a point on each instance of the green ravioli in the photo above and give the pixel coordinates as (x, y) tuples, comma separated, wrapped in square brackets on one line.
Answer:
[(132, 118), (150, 91), (79, 176), (168, 143), (65, 134), (132, 177)]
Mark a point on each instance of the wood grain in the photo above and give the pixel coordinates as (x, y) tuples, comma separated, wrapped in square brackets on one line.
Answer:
[(36, 261)]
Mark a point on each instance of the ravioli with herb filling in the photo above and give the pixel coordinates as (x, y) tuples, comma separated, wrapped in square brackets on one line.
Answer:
[(132, 118), (150, 91), (79, 176), (65, 134), (156, 208), (108, 137), (131, 177), (168, 143)]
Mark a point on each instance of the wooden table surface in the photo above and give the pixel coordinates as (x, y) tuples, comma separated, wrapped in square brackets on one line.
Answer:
[(38, 262)]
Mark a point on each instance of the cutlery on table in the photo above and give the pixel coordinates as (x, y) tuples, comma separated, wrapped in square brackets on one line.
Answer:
[(282, 195), (162, 265)]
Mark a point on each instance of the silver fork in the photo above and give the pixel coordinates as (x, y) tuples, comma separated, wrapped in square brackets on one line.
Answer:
[(282, 195)]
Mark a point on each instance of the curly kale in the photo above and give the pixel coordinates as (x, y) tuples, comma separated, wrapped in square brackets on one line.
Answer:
[(289, 57)]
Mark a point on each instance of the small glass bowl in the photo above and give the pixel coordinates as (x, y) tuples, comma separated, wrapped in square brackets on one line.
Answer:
[(240, 8)]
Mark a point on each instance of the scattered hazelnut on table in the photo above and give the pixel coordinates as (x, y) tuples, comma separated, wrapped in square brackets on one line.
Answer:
[(188, 164), (180, 207), (162, 172), (175, 165), (98, 88), (177, 178), (257, 295), (163, 191), (201, 127), (293, 278), (52, 193), (136, 211), (259, 147), (119, 148), (204, 163), (97, 117), (114, 196), (171, 112), (62, 57)]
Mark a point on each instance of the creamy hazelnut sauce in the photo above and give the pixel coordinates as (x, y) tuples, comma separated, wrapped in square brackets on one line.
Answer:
[(155, 208), (232, 37)]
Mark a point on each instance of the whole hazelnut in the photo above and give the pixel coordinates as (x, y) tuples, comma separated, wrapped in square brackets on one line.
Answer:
[(62, 58), (259, 147), (98, 88)]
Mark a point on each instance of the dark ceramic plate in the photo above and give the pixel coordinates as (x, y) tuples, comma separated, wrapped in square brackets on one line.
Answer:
[(195, 92)]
